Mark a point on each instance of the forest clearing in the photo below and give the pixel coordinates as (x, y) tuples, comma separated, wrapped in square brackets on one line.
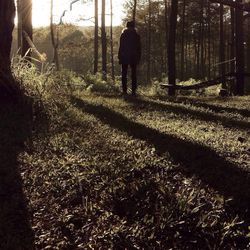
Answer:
[(88, 161)]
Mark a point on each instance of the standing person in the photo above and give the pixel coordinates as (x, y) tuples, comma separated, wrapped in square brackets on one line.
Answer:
[(129, 55)]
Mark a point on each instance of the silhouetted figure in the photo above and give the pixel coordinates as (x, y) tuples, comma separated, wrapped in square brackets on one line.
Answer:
[(129, 55)]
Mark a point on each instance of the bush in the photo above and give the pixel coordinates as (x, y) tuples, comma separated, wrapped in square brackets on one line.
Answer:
[(96, 84)]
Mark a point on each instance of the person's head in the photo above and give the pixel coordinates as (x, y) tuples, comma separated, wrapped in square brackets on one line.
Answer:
[(131, 24)]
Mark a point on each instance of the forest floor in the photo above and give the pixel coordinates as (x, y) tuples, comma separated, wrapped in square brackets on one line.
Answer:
[(139, 173)]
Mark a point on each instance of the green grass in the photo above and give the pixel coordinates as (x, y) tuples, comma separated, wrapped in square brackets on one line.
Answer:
[(92, 170), (140, 174)]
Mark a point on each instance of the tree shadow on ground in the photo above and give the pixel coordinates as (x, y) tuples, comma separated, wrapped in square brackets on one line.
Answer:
[(15, 127), (195, 114), (225, 177), (215, 108)]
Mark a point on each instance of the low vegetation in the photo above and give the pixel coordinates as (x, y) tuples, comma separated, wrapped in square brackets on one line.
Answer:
[(103, 172)]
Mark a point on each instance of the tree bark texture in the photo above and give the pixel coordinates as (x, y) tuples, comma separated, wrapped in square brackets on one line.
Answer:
[(7, 15)]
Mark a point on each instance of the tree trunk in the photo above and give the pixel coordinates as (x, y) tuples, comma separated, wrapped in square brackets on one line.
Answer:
[(111, 41), (19, 26), (183, 39), (232, 47), (104, 41), (222, 47), (209, 38), (166, 27), (26, 27), (96, 39), (171, 47), (149, 43), (7, 15), (53, 39), (201, 41), (134, 10), (240, 62)]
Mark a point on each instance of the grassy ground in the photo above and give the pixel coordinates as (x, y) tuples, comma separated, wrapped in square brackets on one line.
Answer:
[(140, 173)]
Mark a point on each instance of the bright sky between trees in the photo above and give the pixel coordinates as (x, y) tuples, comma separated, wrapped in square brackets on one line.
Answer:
[(41, 12)]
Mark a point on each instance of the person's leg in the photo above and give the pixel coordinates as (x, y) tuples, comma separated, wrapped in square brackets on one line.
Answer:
[(124, 78), (134, 78)]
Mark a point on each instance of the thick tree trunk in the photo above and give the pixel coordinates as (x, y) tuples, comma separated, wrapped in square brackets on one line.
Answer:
[(7, 15), (96, 39), (171, 47)]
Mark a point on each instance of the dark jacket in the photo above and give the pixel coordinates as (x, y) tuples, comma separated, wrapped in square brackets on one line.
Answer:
[(130, 47)]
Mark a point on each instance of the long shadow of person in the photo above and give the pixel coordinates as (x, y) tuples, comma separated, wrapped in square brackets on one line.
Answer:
[(15, 127), (220, 174)]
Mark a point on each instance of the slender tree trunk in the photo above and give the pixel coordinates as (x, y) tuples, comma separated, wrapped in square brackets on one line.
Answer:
[(7, 15), (111, 41), (209, 39), (134, 10), (53, 39), (96, 39), (26, 27), (222, 47), (198, 46), (240, 62), (171, 47), (19, 26), (183, 39), (149, 43), (202, 60), (248, 47), (104, 41), (232, 50), (166, 28)]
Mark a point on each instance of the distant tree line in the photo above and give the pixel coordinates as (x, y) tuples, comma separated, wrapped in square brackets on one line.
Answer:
[(207, 38)]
